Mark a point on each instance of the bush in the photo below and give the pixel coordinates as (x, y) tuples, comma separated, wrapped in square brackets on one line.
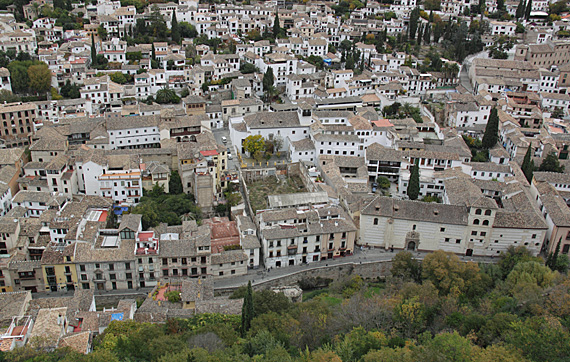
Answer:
[(173, 296), (347, 286), (314, 283)]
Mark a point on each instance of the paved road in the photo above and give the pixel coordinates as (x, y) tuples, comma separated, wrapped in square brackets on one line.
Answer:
[(464, 72), (224, 132), (261, 275)]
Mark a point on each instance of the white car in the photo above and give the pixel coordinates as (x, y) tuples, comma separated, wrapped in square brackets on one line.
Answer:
[(224, 140)]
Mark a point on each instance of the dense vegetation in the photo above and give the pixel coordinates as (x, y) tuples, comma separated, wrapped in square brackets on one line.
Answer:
[(440, 310), (157, 207)]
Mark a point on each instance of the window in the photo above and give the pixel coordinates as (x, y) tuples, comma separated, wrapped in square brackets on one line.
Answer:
[(488, 212), (413, 227), (476, 222), (485, 222), (82, 268), (111, 266), (375, 221), (113, 276), (442, 230), (474, 233), (164, 261), (478, 212), (128, 266)]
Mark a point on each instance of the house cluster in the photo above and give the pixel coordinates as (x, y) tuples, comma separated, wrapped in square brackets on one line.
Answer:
[(73, 170)]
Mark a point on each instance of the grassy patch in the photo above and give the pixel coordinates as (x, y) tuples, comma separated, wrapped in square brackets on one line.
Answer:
[(314, 293), (259, 190), (332, 300), (371, 291)]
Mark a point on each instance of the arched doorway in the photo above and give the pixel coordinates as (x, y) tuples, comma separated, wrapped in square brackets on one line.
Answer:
[(412, 240)]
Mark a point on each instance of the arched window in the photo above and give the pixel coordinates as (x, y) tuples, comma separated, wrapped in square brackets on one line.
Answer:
[(476, 222), (478, 212), (375, 221), (488, 212), (485, 222)]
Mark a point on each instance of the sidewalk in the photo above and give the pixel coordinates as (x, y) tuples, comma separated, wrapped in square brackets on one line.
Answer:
[(372, 255)]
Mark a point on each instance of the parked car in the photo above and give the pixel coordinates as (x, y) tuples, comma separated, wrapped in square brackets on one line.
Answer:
[(374, 187), (224, 139)]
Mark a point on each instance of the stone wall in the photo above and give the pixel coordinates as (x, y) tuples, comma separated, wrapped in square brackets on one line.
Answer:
[(108, 300), (371, 269)]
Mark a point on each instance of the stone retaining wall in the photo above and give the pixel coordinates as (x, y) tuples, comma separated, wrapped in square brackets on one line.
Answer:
[(370, 269)]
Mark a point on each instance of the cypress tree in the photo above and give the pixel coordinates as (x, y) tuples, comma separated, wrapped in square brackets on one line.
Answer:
[(520, 9), (491, 135), (414, 16), (431, 16), (528, 165), (413, 190), (553, 257), (175, 29), (427, 34), (528, 10), (247, 311), (481, 6), (420, 34), (93, 52), (500, 5), (276, 25)]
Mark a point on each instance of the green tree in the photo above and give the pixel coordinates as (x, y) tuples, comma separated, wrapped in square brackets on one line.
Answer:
[(276, 25), (520, 10), (413, 190), (174, 29), (491, 135), (449, 274), (528, 164), (102, 32), (93, 52), (175, 183), (167, 96), (268, 81), (551, 164), (118, 77), (531, 272), (247, 68), (266, 301), (405, 266), (247, 311), (413, 26), (510, 258), (528, 10), (187, 30), (253, 144), (501, 5), (19, 77), (540, 339), (383, 182), (152, 53), (40, 78)]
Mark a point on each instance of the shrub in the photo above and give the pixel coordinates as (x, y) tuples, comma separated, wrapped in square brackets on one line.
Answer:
[(173, 296)]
